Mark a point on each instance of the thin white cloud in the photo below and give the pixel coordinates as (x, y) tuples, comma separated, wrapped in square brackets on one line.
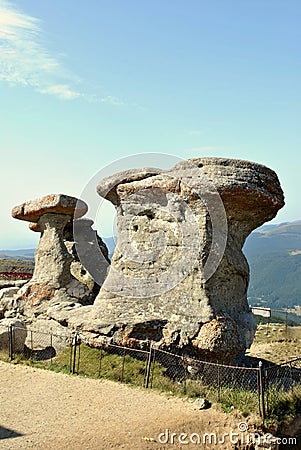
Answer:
[(62, 91), (24, 60)]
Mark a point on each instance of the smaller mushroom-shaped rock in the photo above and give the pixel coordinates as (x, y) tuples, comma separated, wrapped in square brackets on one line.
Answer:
[(50, 214)]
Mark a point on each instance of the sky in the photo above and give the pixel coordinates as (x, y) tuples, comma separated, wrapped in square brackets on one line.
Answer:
[(86, 86)]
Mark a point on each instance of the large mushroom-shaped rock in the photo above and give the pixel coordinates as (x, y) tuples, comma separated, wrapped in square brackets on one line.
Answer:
[(178, 276), (52, 260)]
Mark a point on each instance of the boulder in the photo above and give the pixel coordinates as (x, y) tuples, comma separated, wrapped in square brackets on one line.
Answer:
[(45, 333), (19, 334), (8, 292), (178, 276), (12, 283), (9, 306), (202, 403)]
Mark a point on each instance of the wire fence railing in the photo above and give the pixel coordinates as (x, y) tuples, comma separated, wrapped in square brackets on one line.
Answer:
[(282, 387), (287, 317), (261, 389)]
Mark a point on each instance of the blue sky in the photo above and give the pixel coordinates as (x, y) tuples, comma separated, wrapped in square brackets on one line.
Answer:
[(83, 84)]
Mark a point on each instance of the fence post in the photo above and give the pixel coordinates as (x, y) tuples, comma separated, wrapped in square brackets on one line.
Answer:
[(218, 384), (51, 345), (148, 367), (261, 391), (122, 367), (286, 324), (74, 354), (31, 340), (100, 361), (185, 375), (10, 342)]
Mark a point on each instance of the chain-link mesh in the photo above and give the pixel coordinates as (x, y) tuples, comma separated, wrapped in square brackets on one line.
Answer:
[(282, 385), (230, 385), (112, 362), (167, 372), (266, 390), (40, 348), (4, 342)]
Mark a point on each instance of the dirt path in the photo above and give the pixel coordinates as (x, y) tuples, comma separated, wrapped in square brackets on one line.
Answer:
[(55, 411)]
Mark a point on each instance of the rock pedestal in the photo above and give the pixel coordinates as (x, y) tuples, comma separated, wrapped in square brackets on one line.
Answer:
[(80, 239), (178, 276)]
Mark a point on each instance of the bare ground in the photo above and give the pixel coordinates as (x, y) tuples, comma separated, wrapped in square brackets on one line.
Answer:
[(45, 410)]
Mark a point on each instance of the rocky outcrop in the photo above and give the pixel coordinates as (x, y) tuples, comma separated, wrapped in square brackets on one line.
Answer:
[(8, 291), (19, 334), (52, 281), (178, 276)]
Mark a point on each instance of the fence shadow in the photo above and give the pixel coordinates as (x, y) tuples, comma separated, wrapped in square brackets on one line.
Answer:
[(6, 433)]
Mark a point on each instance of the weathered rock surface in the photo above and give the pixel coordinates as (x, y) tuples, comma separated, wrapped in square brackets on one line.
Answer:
[(52, 276), (32, 210), (178, 276), (91, 247), (10, 307), (8, 292), (12, 283), (19, 334)]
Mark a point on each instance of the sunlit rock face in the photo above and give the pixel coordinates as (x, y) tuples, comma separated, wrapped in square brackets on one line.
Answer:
[(52, 284), (178, 276)]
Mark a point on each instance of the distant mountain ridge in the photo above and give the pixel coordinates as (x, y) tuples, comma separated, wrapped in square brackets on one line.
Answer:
[(23, 254), (274, 256), (285, 236)]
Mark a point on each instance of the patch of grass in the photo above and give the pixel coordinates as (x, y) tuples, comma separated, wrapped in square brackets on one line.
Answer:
[(284, 406), (276, 343), (294, 332), (47, 364), (246, 401), (97, 363), (4, 355)]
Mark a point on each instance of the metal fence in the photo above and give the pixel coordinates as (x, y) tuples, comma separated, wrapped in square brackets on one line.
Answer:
[(259, 389), (282, 387), (281, 316)]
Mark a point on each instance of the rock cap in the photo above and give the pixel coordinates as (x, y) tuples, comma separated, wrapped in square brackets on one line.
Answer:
[(32, 210), (107, 186)]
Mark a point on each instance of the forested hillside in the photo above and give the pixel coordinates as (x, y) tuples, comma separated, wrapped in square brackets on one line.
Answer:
[(274, 256)]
